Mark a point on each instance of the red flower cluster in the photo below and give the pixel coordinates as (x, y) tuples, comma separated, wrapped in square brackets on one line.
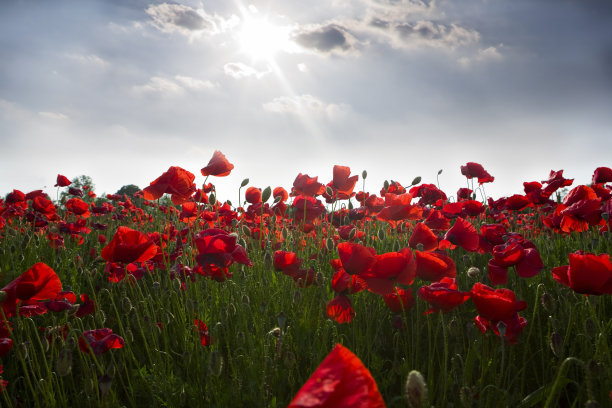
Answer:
[(217, 251)]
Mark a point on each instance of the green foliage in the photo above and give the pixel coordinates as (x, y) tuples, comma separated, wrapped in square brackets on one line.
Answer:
[(129, 190)]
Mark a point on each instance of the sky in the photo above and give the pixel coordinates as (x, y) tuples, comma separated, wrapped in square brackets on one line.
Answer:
[(120, 90)]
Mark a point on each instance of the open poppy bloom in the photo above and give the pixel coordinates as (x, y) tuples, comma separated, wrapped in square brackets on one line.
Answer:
[(429, 194), (62, 181), (443, 295), (176, 181), (218, 166), (40, 282), (78, 207), (342, 185), (602, 175), (464, 234), (422, 234), (100, 341), (341, 380), (433, 266), (471, 170), (307, 186), (340, 309), (203, 332), (217, 250), (399, 300), (129, 246), (586, 273)]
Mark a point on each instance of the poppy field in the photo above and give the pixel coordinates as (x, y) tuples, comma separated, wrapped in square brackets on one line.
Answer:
[(315, 295)]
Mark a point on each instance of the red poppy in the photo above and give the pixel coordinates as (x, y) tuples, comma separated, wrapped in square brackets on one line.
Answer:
[(471, 170), (342, 281), (203, 332), (342, 183), (464, 234), (129, 246), (176, 181), (75, 191), (512, 327), (87, 307), (253, 195), (62, 181), (340, 309), (422, 234), (307, 209), (389, 268), (218, 166), (443, 295), (436, 220), (496, 304), (602, 175), (508, 254), (517, 202), (399, 300), (6, 344), (285, 261), (433, 266), (280, 192), (356, 258), (586, 273), (556, 181), (45, 207), (78, 207), (341, 380), (429, 194), (217, 251), (398, 207), (40, 282), (464, 194), (100, 341), (307, 186)]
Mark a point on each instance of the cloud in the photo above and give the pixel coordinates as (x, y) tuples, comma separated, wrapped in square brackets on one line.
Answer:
[(173, 86), (325, 39), (489, 54), (90, 59), (238, 70), (53, 115), (305, 104), (171, 18), (426, 33)]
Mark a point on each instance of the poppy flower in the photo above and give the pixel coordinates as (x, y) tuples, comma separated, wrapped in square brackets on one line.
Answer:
[(218, 166), (203, 332), (342, 184), (464, 194), (443, 295), (307, 209), (512, 327), (436, 220), (341, 380), (287, 262), (217, 251), (129, 246), (429, 194), (517, 202), (43, 206), (62, 181), (87, 307), (602, 175), (398, 207), (433, 266), (40, 282), (100, 341), (495, 304), (422, 234), (586, 273), (340, 309), (556, 181), (280, 193), (464, 234), (471, 170), (176, 181), (253, 195), (75, 191), (399, 300), (78, 207), (307, 186), (389, 268), (342, 281), (356, 258)]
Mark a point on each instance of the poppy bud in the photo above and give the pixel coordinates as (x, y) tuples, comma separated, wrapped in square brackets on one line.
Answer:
[(176, 285), (212, 199), (244, 182), (297, 296), (105, 383), (352, 234), (556, 344), (281, 319), (22, 349), (473, 272), (381, 234), (329, 244), (100, 317), (548, 302), (416, 389), (265, 195), (605, 216), (63, 364), (501, 327), (245, 299), (592, 404), (364, 174), (215, 364), (2, 296), (439, 172), (126, 304), (416, 181), (386, 185), (329, 191)]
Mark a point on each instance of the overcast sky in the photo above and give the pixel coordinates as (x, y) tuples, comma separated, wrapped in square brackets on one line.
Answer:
[(121, 90)]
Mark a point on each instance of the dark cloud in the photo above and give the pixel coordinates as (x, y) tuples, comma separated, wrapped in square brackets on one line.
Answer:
[(326, 39), (176, 17)]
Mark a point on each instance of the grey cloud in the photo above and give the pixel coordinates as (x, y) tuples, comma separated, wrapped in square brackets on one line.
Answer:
[(326, 39), (177, 17)]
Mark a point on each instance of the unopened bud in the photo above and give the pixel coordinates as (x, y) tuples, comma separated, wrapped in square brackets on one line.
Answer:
[(556, 344), (416, 390), (329, 244), (266, 194), (416, 181), (126, 304), (212, 199), (501, 327), (245, 299), (2, 296), (282, 320), (473, 272), (63, 364), (364, 174), (548, 302), (352, 234), (215, 364), (244, 183), (381, 234), (386, 185), (105, 383), (439, 172), (329, 191)]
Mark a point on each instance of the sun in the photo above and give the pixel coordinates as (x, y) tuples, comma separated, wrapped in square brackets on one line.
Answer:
[(261, 39)]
